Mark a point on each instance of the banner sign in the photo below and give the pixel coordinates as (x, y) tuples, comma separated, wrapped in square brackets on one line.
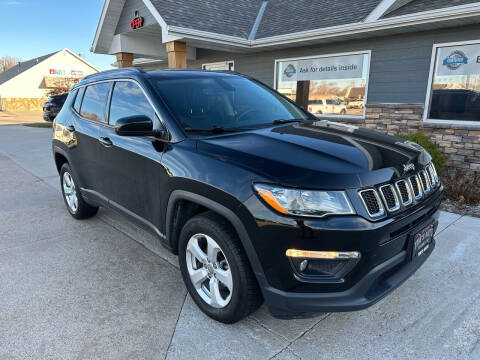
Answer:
[(65, 71), (328, 68), (458, 60)]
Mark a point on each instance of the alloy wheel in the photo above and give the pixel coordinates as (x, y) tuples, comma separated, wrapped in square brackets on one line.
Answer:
[(70, 192), (209, 270)]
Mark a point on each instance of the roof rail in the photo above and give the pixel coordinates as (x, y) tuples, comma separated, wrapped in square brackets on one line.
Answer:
[(120, 70)]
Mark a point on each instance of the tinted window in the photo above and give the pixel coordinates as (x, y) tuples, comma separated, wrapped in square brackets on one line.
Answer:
[(94, 101), (128, 99), (78, 99), (203, 102)]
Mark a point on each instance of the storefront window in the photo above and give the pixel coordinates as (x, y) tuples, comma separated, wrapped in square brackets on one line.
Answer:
[(455, 88), (328, 85)]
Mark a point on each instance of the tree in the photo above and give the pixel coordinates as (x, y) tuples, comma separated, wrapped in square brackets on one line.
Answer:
[(6, 62)]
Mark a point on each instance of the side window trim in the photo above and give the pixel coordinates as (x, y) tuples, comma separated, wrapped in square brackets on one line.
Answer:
[(108, 104)]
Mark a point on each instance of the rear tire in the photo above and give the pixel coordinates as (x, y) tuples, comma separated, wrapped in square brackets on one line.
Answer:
[(216, 270), (76, 205)]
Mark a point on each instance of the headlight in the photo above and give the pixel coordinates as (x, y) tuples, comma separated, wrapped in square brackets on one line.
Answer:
[(305, 202)]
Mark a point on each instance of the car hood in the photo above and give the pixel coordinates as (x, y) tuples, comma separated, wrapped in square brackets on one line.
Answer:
[(317, 155)]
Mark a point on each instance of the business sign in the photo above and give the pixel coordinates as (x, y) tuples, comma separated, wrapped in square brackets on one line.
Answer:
[(137, 22), (65, 72), (458, 60), (328, 68)]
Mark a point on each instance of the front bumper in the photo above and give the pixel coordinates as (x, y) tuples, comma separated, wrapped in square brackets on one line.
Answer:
[(374, 286), (385, 247)]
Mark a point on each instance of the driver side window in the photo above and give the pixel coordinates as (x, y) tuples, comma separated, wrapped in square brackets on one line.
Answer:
[(128, 99)]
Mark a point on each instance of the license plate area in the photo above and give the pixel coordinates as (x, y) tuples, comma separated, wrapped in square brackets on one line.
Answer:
[(421, 240)]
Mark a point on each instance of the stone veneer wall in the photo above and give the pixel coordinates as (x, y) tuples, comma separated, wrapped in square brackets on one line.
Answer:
[(460, 142), (22, 104)]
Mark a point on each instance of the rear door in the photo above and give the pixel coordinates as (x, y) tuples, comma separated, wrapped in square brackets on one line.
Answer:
[(89, 114), (131, 174)]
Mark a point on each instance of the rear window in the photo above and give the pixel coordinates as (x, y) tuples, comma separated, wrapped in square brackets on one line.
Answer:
[(94, 102)]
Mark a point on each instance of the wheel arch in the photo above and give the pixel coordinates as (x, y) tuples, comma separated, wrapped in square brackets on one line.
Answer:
[(209, 204)]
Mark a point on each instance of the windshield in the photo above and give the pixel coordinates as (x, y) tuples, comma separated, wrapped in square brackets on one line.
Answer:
[(225, 101)]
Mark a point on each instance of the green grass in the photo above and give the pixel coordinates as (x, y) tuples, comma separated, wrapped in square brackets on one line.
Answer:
[(40, 125)]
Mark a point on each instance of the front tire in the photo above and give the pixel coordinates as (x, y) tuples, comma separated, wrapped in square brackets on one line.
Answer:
[(216, 270), (76, 205)]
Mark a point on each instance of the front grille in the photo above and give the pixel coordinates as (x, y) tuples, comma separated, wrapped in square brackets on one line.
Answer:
[(425, 181), (372, 202), (416, 187), (390, 197), (404, 191)]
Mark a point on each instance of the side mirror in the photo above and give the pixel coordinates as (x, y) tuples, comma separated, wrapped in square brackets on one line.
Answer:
[(138, 125)]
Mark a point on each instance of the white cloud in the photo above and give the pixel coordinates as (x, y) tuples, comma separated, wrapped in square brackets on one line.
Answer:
[(11, 3)]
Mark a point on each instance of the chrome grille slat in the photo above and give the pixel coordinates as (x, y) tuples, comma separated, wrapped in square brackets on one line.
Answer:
[(372, 203), (425, 181), (432, 173), (416, 186), (405, 192), (390, 197)]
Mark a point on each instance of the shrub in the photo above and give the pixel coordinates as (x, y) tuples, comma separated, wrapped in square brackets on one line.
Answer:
[(462, 186), (438, 158)]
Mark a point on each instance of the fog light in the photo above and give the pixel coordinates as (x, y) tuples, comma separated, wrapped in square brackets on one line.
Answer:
[(329, 255), (323, 264)]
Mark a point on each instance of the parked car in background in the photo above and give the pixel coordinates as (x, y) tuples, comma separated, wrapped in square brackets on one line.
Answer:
[(260, 200), (356, 104), (53, 105), (327, 106)]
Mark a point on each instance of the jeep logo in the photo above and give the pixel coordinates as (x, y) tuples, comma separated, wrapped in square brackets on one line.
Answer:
[(408, 167)]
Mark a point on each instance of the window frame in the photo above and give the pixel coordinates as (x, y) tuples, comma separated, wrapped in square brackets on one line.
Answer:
[(428, 98), (360, 52)]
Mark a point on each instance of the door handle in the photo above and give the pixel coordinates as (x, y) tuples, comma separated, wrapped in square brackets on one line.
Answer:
[(105, 141)]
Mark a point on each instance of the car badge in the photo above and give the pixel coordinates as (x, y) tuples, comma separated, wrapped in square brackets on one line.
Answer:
[(408, 167)]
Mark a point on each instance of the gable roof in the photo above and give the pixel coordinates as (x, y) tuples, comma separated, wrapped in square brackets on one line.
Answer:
[(22, 67), (229, 17), (286, 16), (417, 6)]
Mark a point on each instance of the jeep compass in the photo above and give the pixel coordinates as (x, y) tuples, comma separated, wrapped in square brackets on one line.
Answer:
[(261, 200)]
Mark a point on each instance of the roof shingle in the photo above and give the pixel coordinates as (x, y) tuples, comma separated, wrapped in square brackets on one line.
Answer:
[(229, 17), (426, 5), (286, 16)]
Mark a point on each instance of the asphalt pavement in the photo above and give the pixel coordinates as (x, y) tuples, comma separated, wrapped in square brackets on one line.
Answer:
[(104, 289)]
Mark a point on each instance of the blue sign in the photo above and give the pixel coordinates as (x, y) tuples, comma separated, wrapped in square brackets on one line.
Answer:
[(455, 60), (290, 71)]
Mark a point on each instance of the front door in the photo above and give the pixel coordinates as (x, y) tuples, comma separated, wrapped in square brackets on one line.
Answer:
[(132, 174)]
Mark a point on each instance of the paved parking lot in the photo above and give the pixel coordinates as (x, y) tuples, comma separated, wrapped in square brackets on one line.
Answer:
[(103, 289), (20, 117)]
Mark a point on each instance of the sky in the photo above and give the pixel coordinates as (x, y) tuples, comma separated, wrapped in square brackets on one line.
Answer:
[(32, 28)]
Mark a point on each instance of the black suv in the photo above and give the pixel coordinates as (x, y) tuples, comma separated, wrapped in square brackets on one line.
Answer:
[(53, 105), (260, 199)]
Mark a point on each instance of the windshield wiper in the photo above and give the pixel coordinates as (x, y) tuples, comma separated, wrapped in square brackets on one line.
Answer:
[(215, 129), (287, 121)]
